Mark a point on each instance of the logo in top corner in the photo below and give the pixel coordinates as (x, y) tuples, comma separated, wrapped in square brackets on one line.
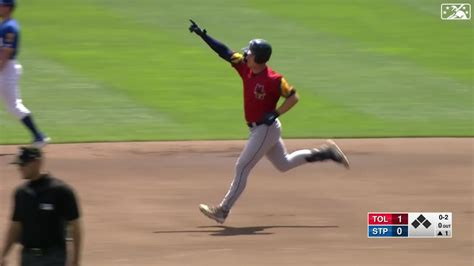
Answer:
[(10, 37), (456, 11), (259, 91)]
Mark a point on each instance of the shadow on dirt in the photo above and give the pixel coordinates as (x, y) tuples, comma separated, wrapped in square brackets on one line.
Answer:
[(221, 230)]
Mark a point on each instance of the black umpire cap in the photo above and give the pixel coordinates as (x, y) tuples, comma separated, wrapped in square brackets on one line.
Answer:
[(26, 155)]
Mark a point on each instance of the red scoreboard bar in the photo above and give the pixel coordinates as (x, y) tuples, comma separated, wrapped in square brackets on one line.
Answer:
[(387, 218)]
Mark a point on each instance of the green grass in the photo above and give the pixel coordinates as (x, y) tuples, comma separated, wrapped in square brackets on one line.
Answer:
[(109, 70)]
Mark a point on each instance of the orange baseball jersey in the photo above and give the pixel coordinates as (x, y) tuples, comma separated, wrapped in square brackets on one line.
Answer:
[(261, 91)]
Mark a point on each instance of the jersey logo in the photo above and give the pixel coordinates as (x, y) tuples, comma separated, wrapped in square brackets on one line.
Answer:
[(10, 37), (259, 91), (46, 206)]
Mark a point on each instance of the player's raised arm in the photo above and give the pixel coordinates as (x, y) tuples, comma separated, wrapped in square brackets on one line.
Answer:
[(222, 50)]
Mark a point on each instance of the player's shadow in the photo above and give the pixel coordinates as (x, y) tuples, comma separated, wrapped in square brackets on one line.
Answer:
[(223, 230)]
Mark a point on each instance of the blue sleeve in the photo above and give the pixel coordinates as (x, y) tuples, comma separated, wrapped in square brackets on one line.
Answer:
[(223, 51), (9, 36)]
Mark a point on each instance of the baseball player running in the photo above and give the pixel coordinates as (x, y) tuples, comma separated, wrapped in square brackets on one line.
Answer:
[(10, 72), (262, 89)]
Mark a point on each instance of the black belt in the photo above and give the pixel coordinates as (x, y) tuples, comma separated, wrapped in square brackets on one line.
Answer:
[(254, 124)]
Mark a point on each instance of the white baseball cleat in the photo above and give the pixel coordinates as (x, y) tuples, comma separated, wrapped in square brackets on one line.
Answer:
[(337, 154), (41, 143), (215, 213), (328, 151)]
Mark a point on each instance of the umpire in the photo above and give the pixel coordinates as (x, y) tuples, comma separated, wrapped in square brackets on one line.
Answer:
[(43, 209)]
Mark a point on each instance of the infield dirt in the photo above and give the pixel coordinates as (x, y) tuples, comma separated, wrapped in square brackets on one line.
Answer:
[(140, 202)]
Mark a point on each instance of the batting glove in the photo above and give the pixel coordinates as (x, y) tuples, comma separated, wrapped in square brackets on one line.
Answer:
[(269, 118), (195, 28)]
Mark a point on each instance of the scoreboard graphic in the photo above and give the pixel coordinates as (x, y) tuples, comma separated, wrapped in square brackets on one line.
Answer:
[(410, 225)]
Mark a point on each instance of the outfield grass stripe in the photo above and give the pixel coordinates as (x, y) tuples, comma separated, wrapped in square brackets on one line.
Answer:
[(389, 27), (61, 99), (143, 62), (355, 69), (381, 110), (388, 86)]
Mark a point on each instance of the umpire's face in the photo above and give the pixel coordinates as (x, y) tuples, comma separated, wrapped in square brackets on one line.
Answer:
[(31, 170)]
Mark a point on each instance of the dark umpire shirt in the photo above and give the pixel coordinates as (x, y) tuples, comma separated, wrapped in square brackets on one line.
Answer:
[(43, 207)]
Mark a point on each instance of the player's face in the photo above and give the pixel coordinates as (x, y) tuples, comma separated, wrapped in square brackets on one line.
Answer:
[(4, 10), (250, 59)]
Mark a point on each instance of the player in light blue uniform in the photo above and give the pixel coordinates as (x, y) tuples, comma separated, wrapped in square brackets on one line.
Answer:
[(10, 71)]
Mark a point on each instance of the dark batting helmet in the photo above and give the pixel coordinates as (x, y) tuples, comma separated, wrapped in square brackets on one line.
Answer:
[(10, 3), (261, 49), (7, 2)]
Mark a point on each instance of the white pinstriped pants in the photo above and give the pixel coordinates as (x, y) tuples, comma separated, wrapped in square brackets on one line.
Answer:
[(9, 90), (263, 140)]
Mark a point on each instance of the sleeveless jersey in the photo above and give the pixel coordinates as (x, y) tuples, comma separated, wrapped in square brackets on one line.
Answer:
[(261, 91)]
